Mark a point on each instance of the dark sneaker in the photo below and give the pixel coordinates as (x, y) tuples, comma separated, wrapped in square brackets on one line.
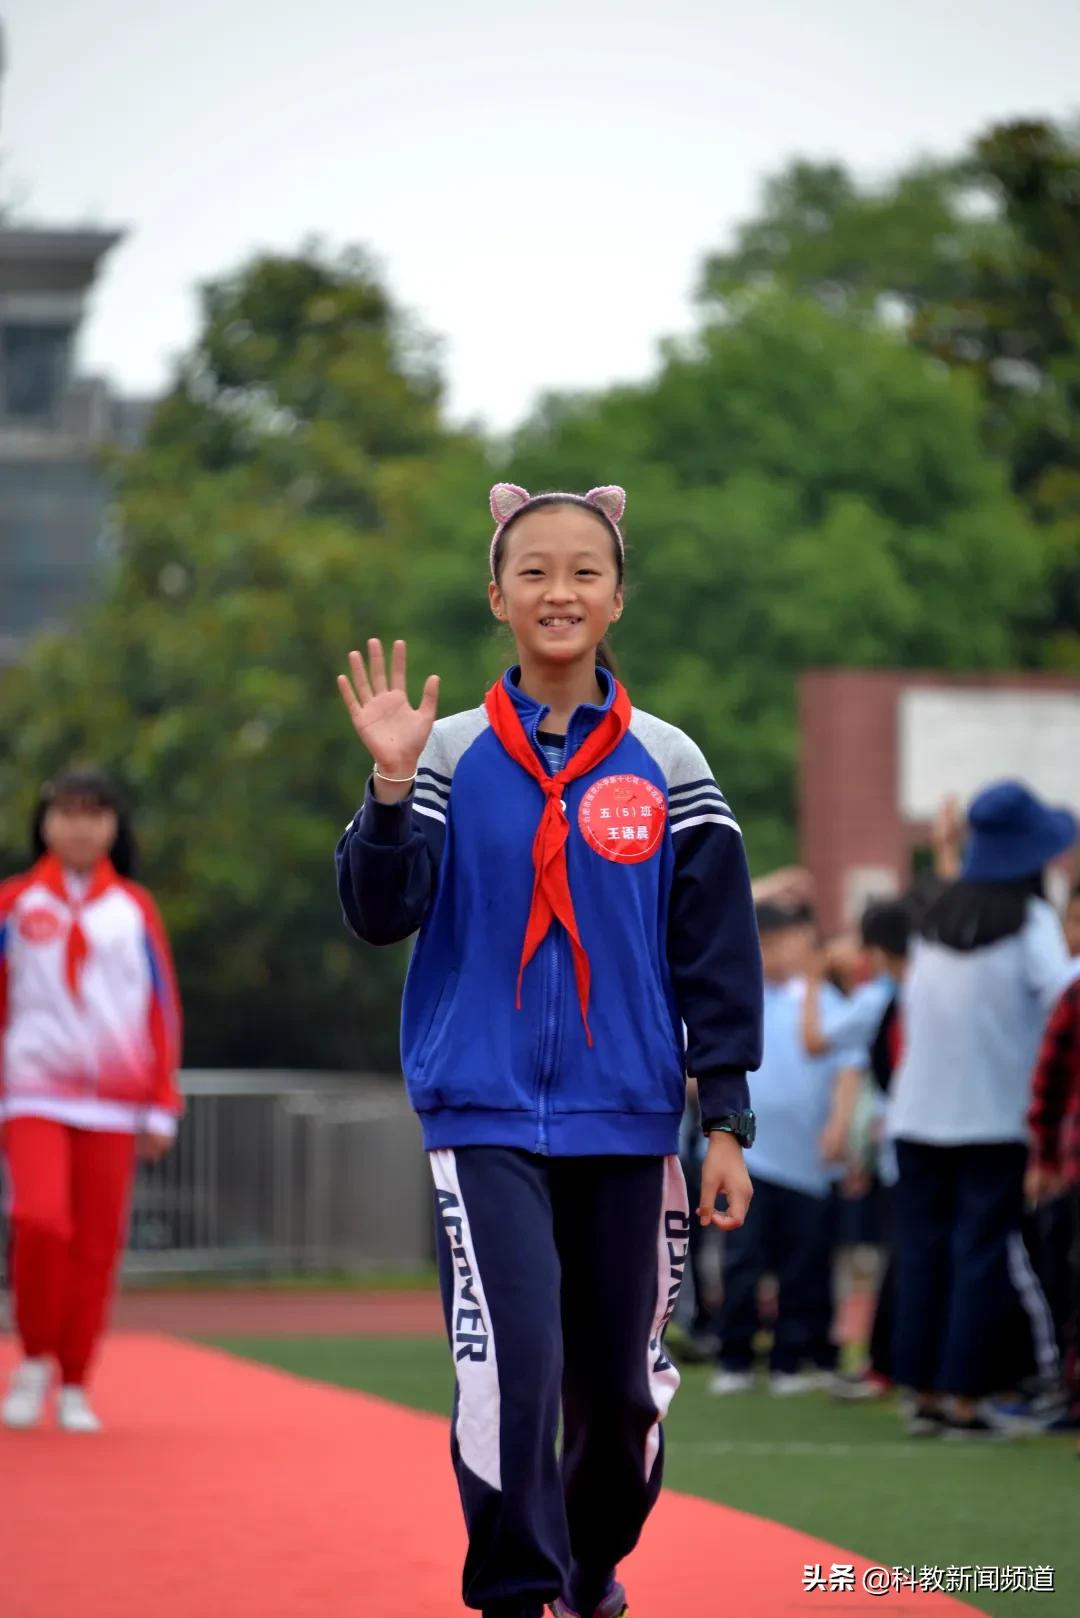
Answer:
[(612, 1606), (975, 1428), (1026, 1415), (925, 1421)]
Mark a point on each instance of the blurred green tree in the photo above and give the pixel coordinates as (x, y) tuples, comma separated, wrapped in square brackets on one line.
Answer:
[(978, 262)]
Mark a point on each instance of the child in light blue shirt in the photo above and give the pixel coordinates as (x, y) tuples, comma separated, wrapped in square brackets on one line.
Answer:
[(803, 1105)]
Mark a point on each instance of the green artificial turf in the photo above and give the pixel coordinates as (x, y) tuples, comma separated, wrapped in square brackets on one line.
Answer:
[(843, 1472), (317, 1281)]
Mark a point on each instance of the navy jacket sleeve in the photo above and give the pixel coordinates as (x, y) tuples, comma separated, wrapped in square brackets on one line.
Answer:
[(713, 949), (388, 859)]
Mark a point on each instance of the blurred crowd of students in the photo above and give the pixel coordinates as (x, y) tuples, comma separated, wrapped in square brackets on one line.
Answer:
[(920, 1089)]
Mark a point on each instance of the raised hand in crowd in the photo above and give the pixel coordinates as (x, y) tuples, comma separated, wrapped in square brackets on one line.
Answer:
[(947, 836), (791, 885)]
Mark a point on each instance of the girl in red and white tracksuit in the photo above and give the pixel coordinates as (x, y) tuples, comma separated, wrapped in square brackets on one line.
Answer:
[(89, 1047)]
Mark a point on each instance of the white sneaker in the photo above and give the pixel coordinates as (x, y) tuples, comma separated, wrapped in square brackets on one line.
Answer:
[(823, 1381), (788, 1382), (27, 1393), (73, 1412), (731, 1381)]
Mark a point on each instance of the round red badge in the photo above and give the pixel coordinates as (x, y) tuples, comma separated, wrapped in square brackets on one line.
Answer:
[(39, 926), (622, 817)]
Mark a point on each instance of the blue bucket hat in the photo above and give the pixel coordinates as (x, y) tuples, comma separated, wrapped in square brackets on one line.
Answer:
[(1013, 834)]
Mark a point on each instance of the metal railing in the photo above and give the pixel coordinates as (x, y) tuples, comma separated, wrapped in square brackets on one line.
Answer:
[(285, 1173)]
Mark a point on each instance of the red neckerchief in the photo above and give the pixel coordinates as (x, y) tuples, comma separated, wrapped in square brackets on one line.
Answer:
[(551, 897), (50, 873)]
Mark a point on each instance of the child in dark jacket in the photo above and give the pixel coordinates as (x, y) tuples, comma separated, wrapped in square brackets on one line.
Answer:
[(581, 891)]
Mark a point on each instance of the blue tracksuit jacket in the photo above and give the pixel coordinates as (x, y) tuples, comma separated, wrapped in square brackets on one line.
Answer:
[(669, 931)]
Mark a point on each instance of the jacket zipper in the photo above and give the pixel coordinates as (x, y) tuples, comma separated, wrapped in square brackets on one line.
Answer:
[(553, 981)]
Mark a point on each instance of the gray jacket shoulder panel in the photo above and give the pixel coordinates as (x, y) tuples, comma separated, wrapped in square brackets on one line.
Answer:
[(451, 739), (680, 758)]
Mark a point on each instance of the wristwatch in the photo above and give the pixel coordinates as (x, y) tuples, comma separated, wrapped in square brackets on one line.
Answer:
[(743, 1125)]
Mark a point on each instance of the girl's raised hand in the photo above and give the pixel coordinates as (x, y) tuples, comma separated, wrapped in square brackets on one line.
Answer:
[(393, 733)]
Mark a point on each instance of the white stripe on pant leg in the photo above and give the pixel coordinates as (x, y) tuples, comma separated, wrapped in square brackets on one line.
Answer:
[(1033, 1300), (473, 1340), (672, 1248)]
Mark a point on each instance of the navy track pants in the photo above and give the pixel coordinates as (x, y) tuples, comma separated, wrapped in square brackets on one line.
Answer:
[(789, 1233), (960, 1265), (558, 1277)]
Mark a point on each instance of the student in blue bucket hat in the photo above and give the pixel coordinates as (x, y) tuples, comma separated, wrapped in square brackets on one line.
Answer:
[(987, 967), (1014, 836)]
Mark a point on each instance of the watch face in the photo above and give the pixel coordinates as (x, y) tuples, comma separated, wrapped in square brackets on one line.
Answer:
[(743, 1125)]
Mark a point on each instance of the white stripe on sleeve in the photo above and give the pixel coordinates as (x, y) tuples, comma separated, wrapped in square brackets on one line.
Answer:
[(700, 820)]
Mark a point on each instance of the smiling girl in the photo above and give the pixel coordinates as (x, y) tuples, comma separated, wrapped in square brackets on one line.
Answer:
[(582, 893)]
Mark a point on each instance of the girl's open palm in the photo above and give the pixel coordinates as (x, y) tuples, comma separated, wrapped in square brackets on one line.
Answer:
[(393, 733)]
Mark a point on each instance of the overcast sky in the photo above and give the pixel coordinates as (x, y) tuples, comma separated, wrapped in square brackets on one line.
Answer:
[(538, 182)]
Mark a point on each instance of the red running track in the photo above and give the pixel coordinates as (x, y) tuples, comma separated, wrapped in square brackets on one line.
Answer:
[(224, 1489)]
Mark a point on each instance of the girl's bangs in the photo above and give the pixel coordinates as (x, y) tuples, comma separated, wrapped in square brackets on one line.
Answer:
[(77, 790)]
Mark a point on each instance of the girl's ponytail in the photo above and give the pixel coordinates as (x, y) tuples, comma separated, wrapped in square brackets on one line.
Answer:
[(606, 659)]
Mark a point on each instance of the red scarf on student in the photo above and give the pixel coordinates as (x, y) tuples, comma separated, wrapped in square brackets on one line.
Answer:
[(50, 873), (551, 897)]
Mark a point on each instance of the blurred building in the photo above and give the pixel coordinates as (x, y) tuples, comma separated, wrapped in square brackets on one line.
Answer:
[(880, 750), (53, 428)]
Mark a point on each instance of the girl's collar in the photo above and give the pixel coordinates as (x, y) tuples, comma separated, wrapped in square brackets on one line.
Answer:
[(50, 873), (529, 708)]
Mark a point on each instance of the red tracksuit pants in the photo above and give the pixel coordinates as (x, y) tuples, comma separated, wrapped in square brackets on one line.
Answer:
[(69, 1200)]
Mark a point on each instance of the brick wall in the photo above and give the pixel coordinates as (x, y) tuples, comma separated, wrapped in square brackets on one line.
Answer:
[(848, 786)]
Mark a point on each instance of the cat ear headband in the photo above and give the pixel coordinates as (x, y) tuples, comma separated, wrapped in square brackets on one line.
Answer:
[(508, 499)]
